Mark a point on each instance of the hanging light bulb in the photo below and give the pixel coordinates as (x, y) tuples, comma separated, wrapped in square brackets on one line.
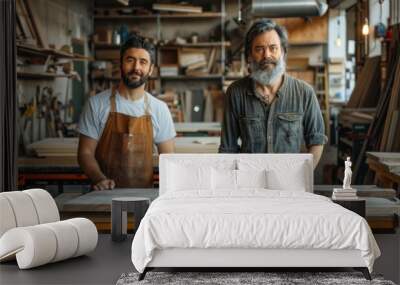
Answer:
[(338, 41), (365, 28), (365, 32)]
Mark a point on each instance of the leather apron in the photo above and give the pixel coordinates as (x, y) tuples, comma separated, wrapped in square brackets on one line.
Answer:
[(125, 149)]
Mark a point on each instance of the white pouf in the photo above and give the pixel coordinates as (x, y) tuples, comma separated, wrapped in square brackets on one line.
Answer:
[(31, 230)]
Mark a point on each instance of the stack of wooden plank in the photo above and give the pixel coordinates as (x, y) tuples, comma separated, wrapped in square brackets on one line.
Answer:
[(390, 139), (177, 8), (379, 130), (198, 62), (68, 147), (349, 116), (194, 61), (28, 27), (367, 89)]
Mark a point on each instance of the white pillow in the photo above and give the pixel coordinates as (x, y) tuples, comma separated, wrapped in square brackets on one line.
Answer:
[(290, 179), (224, 179), (251, 178), (281, 174), (227, 179), (183, 177)]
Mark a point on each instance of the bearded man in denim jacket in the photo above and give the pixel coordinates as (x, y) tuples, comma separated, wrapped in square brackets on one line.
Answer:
[(270, 111)]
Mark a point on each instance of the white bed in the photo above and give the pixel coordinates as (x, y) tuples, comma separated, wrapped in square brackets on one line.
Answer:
[(247, 210)]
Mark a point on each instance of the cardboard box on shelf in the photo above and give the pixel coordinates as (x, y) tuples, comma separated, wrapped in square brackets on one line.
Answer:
[(107, 54), (103, 35), (168, 56)]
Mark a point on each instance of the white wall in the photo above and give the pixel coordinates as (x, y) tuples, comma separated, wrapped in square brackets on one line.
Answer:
[(335, 30), (336, 51), (374, 18)]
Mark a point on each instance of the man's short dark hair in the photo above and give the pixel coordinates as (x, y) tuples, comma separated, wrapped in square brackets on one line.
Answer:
[(136, 41), (261, 26)]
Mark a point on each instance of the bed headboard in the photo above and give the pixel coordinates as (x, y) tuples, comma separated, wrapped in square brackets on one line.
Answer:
[(233, 161)]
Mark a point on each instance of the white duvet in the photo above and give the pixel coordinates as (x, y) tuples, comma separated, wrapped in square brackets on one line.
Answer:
[(250, 219)]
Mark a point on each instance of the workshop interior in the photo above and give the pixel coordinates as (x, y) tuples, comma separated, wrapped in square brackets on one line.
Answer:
[(212, 141)]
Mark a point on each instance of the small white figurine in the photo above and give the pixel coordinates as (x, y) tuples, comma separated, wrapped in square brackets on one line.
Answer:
[(347, 174)]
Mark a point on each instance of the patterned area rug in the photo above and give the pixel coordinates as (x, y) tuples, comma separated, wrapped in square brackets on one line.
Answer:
[(269, 278)]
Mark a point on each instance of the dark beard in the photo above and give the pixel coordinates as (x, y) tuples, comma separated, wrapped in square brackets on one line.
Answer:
[(133, 84)]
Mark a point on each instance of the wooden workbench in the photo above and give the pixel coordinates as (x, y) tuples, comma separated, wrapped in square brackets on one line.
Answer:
[(100, 201), (207, 128), (382, 212), (59, 164), (63, 151), (96, 205), (386, 166)]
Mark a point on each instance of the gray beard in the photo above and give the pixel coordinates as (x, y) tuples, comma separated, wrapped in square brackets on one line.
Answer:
[(267, 77)]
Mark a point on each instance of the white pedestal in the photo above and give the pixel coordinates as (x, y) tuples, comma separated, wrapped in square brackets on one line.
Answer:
[(349, 194)]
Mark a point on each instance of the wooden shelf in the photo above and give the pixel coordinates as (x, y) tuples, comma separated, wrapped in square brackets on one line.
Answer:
[(233, 77), (205, 15), (28, 50), (186, 77), (116, 78), (43, 75), (306, 44), (178, 77), (215, 44)]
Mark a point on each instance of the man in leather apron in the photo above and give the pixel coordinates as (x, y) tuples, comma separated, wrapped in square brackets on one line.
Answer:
[(270, 111), (119, 127)]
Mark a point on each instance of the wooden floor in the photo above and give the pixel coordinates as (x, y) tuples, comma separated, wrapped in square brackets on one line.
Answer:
[(103, 266)]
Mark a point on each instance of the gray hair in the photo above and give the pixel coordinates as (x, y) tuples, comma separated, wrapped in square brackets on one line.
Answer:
[(261, 26)]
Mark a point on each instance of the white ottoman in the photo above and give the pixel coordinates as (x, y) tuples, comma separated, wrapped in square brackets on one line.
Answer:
[(31, 230)]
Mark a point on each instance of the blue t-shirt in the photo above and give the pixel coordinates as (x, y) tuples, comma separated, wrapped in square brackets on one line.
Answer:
[(95, 114)]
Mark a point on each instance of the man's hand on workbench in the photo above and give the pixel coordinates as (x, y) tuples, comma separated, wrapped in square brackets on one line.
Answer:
[(105, 184)]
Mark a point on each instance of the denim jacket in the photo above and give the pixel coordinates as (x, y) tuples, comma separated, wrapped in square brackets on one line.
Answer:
[(294, 118)]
